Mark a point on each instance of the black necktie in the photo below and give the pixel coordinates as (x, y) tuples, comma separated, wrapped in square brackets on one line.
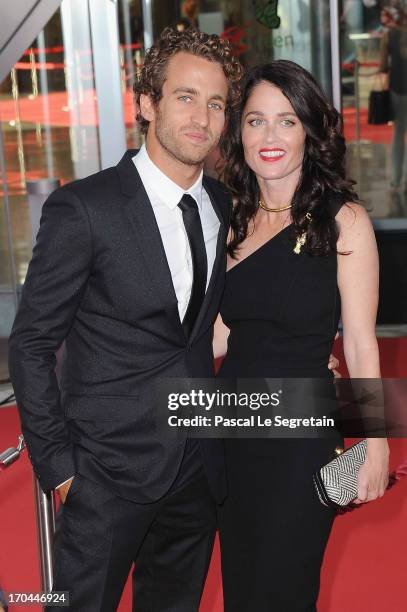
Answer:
[(193, 227)]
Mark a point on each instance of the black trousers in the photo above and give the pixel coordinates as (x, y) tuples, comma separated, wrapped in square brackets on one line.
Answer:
[(273, 528), (100, 535)]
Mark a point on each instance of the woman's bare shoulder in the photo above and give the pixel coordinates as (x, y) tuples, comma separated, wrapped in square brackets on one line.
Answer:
[(352, 215), (354, 223)]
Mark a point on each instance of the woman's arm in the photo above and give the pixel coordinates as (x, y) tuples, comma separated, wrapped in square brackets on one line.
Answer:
[(220, 338), (358, 281)]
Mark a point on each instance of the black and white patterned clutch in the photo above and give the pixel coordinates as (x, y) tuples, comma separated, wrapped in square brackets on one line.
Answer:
[(337, 481)]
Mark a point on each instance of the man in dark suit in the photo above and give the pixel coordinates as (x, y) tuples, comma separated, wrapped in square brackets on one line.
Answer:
[(128, 270)]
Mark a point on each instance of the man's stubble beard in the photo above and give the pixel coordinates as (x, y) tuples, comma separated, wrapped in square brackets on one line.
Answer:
[(165, 136)]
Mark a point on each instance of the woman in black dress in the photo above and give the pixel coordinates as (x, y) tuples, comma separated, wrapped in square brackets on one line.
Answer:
[(302, 253)]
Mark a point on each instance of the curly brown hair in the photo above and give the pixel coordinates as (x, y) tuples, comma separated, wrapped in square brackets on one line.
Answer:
[(151, 77), (323, 178)]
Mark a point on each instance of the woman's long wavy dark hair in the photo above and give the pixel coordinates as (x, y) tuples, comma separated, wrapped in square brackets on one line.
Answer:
[(323, 179)]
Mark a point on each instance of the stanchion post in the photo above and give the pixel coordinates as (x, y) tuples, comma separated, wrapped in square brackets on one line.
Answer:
[(45, 514), (38, 190), (357, 102)]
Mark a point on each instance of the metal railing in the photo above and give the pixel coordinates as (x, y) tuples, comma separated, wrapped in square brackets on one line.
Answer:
[(45, 516)]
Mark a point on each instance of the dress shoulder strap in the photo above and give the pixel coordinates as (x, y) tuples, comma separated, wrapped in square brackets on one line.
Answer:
[(335, 203)]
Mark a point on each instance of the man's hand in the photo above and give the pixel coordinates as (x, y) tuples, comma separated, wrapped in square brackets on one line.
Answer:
[(63, 489), (333, 363)]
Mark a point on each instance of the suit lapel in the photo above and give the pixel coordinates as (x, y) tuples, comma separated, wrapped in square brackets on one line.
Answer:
[(141, 216), (140, 213)]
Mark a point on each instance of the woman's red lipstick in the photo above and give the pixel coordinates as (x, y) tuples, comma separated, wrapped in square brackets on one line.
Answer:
[(271, 155)]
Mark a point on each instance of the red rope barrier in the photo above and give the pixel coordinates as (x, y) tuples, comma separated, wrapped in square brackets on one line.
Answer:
[(44, 65), (60, 49)]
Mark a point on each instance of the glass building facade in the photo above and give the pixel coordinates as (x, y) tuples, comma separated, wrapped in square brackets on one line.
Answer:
[(66, 105)]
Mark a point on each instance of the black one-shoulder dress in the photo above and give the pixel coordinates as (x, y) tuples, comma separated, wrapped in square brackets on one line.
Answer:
[(283, 311)]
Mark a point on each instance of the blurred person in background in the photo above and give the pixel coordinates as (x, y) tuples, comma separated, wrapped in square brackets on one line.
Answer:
[(393, 63)]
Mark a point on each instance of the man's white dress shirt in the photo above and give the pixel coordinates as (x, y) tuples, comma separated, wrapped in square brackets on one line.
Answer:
[(165, 196)]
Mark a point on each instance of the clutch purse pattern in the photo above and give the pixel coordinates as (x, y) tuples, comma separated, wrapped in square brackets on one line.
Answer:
[(337, 481)]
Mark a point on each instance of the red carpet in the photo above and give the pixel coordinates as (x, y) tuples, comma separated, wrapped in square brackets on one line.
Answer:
[(372, 133), (365, 563)]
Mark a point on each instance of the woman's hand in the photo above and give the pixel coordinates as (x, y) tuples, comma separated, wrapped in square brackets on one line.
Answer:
[(220, 338), (333, 364), (373, 476)]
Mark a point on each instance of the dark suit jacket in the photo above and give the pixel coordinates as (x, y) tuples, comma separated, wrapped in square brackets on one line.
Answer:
[(99, 280)]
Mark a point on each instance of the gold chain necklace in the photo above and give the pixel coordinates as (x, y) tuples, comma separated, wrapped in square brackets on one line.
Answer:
[(263, 205), (301, 240)]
